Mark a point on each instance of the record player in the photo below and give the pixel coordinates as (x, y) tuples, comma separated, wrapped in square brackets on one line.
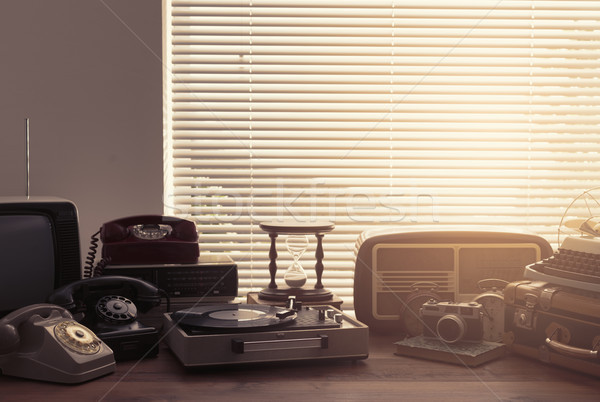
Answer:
[(227, 334)]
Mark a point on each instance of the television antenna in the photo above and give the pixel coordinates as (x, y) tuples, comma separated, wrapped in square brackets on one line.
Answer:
[(27, 157)]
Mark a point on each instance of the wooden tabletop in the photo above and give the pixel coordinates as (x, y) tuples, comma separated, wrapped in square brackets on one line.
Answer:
[(383, 376)]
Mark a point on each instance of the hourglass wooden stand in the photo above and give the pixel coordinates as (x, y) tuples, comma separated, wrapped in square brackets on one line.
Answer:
[(276, 293)]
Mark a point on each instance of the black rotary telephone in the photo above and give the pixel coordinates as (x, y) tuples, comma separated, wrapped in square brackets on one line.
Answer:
[(109, 305)]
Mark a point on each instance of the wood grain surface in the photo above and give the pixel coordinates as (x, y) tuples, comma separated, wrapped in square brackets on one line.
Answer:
[(383, 376)]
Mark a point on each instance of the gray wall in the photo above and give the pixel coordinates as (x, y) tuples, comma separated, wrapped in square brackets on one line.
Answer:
[(88, 75)]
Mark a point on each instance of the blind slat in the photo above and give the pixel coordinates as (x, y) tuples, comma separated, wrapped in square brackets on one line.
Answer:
[(375, 113)]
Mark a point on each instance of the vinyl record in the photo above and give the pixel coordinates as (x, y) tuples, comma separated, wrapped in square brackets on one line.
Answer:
[(234, 316)]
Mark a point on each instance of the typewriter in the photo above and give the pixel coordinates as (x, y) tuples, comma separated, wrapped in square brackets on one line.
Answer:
[(576, 264)]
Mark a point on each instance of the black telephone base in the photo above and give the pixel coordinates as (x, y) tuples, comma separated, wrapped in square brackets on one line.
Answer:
[(135, 342)]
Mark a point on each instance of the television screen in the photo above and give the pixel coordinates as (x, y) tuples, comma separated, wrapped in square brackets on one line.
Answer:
[(39, 249), (27, 260)]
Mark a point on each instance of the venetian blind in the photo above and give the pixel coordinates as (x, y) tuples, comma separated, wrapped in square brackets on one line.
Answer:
[(374, 113)]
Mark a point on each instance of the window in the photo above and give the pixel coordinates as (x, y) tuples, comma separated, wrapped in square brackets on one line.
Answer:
[(372, 113)]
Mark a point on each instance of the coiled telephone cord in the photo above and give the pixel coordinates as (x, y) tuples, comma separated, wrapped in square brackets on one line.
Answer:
[(89, 270)]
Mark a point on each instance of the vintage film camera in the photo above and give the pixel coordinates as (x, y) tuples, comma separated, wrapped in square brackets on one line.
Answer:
[(453, 322)]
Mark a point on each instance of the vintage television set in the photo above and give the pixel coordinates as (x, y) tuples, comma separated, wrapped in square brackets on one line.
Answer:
[(39, 249)]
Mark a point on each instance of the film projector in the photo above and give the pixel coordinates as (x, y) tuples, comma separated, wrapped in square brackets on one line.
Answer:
[(288, 323)]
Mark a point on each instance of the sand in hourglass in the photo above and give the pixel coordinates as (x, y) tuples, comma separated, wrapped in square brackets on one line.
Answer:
[(295, 280), (295, 277)]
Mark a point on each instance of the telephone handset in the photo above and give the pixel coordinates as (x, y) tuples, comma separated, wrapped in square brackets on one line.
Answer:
[(149, 239), (82, 295), (108, 305), (43, 342)]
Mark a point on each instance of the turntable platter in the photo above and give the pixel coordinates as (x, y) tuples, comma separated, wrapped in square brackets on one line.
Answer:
[(237, 315), (233, 316)]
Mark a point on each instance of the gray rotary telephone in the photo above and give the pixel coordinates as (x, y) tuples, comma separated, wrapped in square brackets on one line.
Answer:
[(43, 342)]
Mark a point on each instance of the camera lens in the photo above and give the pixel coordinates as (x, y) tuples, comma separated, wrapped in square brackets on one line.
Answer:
[(451, 328)]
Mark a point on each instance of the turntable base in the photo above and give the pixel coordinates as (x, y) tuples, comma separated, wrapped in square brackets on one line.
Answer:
[(308, 336), (253, 298)]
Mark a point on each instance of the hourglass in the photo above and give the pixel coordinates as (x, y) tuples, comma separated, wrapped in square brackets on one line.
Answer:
[(295, 277)]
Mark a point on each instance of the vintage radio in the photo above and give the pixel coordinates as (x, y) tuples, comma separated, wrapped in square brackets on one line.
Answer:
[(398, 269)]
